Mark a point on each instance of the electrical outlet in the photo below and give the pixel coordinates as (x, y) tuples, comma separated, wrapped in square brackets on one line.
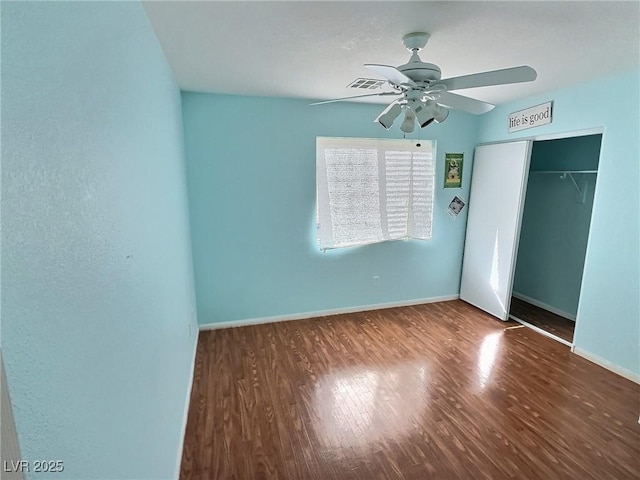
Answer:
[(376, 280)]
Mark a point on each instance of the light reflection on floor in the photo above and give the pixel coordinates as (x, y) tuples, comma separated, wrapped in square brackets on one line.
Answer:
[(359, 409), (487, 357), (354, 407)]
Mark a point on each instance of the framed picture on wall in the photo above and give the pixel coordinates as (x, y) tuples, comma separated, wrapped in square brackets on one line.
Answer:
[(453, 170), (455, 206)]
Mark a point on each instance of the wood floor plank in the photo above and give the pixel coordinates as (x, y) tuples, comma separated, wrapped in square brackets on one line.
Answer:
[(437, 391), (541, 318)]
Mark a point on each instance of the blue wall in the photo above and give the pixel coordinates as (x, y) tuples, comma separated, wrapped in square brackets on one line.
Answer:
[(251, 176), (607, 322), (97, 285), (555, 223)]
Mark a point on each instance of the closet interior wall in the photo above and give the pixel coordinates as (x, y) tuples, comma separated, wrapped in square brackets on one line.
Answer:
[(555, 223)]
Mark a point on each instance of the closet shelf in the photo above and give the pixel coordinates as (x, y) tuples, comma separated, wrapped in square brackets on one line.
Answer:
[(569, 174)]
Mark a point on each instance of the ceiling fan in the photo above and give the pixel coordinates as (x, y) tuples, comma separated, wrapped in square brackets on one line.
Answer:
[(424, 97)]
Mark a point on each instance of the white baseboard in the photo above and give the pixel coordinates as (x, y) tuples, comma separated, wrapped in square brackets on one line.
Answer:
[(538, 303), (185, 414), (623, 372), (324, 313)]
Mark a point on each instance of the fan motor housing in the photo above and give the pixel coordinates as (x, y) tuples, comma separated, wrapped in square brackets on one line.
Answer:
[(421, 71)]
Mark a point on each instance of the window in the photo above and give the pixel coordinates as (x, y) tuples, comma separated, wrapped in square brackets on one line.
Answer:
[(372, 190)]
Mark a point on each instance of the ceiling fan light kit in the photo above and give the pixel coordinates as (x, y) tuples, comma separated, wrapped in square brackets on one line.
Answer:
[(440, 113), (389, 115), (409, 121), (421, 111), (424, 96)]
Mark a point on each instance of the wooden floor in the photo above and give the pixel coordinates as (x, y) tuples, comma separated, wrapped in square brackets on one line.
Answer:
[(438, 391), (541, 318)]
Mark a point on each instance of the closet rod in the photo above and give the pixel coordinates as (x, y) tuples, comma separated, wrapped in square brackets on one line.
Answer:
[(570, 173), (573, 180)]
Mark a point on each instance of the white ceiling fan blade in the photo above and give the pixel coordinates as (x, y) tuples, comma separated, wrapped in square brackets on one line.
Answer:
[(466, 104), (381, 94), (495, 77), (395, 76)]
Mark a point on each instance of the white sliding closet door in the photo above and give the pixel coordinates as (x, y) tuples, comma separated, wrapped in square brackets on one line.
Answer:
[(498, 185)]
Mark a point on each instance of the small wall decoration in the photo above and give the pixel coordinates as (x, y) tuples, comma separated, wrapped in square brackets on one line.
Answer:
[(453, 170), (455, 206), (530, 117)]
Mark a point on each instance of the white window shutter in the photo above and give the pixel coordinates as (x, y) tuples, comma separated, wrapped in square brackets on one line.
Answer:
[(372, 190), (422, 195)]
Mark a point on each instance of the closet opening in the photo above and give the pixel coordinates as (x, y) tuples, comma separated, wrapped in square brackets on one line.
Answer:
[(554, 233)]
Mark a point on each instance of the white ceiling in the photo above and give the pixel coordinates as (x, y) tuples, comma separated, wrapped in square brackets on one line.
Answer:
[(305, 49)]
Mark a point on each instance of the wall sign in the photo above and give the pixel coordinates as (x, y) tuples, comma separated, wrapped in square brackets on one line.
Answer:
[(531, 117), (453, 170)]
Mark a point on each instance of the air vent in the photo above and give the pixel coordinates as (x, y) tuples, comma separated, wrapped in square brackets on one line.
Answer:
[(366, 83)]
